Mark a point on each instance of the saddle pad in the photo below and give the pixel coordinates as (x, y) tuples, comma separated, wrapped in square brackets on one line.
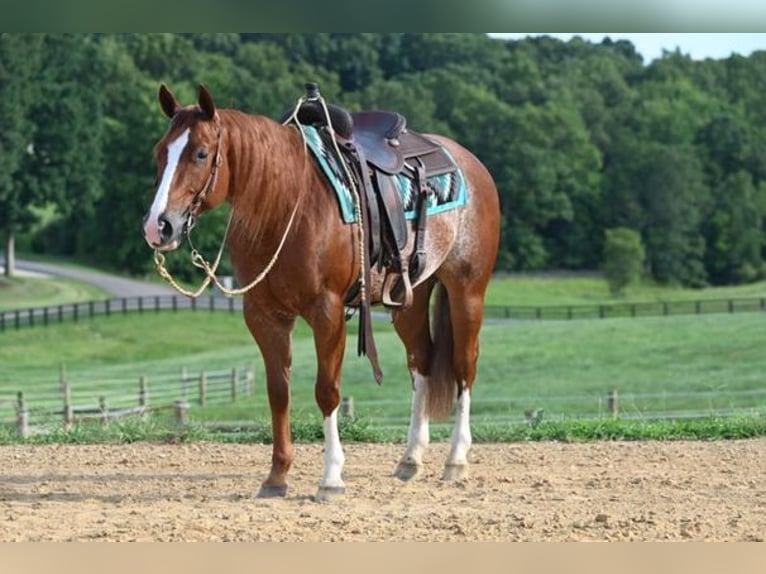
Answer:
[(449, 190)]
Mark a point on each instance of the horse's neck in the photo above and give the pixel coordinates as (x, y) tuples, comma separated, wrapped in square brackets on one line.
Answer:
[(266, 165)]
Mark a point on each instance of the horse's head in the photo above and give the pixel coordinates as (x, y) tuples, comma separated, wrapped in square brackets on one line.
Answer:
[(187, 156)]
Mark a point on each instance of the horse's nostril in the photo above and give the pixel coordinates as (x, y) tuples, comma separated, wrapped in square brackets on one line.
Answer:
[(166, 228)]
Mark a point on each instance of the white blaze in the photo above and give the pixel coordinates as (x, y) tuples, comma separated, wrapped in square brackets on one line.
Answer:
[(151, 228)]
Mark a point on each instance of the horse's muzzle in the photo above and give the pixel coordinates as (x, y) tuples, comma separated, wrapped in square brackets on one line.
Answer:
[(166, 232)]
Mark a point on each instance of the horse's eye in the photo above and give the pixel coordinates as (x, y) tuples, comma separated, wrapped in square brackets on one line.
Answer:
[(201, 154)]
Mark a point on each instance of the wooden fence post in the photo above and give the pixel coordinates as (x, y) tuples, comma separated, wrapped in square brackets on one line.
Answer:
[(613, 403), (184, 382), (102, 406), (347, 407), (250, 382), (62, 375), (181, 409), (234, 381), (143, 394), (202, 388), (68, 412), (22, 416)]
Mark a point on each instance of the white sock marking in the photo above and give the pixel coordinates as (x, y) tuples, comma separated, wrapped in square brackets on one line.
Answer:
[(461, 433), (333, 453), (175, 149), (418, 434)]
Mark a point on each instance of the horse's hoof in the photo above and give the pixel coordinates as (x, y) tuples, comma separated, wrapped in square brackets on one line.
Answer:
[(454, 472), (327, 494), (268, 491), (407, 470)]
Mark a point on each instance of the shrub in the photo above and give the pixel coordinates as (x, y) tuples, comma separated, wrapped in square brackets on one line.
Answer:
[(623, 258)]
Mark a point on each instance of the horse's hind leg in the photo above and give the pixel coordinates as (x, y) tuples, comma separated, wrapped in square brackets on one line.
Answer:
[(466, 310), (411, 324)]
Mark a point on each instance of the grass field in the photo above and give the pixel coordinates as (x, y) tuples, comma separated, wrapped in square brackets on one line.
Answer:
[(666, 367), (25, 292), (706, 364), (542, 290)]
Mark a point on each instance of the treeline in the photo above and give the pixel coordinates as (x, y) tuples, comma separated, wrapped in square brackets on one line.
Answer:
[(580, 137)]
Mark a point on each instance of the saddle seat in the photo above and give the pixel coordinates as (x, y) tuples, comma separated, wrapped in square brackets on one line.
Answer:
[(377, 133)]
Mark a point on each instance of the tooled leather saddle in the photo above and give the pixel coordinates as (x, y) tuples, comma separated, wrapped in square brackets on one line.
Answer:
[(377, 147)]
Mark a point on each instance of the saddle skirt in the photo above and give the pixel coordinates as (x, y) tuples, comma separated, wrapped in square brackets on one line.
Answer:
[(448, 190)]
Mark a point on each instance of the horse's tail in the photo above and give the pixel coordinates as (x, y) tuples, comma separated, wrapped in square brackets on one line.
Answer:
[(441, 381)]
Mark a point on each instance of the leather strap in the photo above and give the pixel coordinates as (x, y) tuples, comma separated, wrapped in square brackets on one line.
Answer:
[(418, 259), (366, 341)]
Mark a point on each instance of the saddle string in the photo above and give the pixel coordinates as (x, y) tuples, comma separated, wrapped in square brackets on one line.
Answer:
[(357, 200), (210, 270)]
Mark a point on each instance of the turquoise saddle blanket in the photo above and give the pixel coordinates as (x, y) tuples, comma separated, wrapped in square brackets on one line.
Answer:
[(449, 190)]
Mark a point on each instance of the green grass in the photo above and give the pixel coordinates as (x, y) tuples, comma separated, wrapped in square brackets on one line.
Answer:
[(706, 364), (541, 290), (672, 367), (134, 430), (25, 292)]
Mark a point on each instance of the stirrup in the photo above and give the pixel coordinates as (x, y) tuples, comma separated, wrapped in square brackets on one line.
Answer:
[(390, 283)]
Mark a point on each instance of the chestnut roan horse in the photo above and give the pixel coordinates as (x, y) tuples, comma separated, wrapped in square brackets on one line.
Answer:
[(282, 203)]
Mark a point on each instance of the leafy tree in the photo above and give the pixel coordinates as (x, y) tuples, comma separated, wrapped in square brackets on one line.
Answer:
[(734, 231), (20, 57), (113, 235), (64, 165), (623, 258), (579, 137)]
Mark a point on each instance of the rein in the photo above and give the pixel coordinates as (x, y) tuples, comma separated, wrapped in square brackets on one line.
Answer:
[(197, 259)]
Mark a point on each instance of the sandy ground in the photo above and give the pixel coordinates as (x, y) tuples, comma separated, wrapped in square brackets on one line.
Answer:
[(537, 491)]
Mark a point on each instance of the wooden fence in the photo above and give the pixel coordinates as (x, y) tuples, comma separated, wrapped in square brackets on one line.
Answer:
[(41, 316), (37, 316), (105, 402), (613, 310)]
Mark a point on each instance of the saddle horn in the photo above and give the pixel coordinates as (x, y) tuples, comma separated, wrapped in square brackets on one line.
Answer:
[(311, 113)]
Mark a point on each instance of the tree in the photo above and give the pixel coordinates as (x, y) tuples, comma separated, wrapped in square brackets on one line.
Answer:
[(134, 123), (623, 258), (65, 164), (20, 56), (734, 231)]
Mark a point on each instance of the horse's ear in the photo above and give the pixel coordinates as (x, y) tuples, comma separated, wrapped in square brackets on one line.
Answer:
[(168, 101), (206, 103)]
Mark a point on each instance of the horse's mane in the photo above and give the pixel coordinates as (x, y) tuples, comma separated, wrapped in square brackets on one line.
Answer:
[(264, 191)]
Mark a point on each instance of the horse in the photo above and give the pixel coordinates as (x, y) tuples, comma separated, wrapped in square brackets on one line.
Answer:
[(285, 219)]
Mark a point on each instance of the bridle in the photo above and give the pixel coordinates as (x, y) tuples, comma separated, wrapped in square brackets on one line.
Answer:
[(190, 219), (191, 212)]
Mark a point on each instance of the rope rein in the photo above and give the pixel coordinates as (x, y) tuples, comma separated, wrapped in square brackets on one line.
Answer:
[(210, 270)]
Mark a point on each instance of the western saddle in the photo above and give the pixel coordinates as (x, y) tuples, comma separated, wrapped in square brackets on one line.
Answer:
[(377, 147)]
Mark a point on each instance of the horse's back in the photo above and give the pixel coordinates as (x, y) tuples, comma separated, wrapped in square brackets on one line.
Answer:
[(474, 228)]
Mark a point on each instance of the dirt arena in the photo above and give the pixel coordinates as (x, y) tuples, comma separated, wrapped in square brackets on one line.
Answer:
[(537, 491)]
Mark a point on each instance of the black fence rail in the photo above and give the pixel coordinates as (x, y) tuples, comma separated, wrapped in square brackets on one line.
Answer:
[(36, 316), (614, 310), (40, 316)]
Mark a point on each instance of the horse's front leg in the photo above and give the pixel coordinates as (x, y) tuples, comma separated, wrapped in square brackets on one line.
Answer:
[(272, 335), (328, 323)]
